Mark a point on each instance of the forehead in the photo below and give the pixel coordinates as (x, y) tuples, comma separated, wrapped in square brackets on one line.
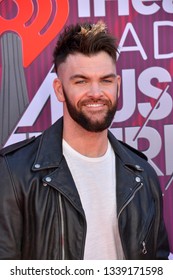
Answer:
[(100, 63)]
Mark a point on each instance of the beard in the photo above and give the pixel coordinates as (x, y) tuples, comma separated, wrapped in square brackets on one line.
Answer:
[(90, 121)]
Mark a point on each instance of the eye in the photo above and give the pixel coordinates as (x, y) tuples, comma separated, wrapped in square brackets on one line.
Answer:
[(107, 81), (80, 82)]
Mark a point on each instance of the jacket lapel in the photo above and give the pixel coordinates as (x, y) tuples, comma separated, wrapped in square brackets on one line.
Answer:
[(128, 173), (50, 158)]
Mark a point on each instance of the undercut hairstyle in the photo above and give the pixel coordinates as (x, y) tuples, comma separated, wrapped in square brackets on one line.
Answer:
[(84, 38)]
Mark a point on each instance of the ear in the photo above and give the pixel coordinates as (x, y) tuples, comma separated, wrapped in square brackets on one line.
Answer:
[(58, 89), (118, 85)]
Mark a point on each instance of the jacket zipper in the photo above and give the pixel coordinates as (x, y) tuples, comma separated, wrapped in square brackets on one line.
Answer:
[(62, 227), (130, 199), (124, 206), (144, 249), (145, 239)]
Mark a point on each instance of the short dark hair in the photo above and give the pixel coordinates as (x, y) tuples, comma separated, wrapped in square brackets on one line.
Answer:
[(85, 38)]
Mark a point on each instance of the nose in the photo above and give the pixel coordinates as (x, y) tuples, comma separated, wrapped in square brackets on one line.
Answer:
[(95, 90)]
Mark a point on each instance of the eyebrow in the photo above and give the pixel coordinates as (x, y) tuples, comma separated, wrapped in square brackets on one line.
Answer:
[(77, 76), (80, 76), (111, 75)]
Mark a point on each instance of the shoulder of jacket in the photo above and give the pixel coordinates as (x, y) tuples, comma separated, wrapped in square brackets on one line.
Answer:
[(16, 146), (137, 152)]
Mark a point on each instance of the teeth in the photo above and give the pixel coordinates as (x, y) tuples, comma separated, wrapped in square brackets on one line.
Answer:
[(94, 105)]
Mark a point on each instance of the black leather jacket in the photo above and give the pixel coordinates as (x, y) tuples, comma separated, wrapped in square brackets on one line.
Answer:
[(41, 215)]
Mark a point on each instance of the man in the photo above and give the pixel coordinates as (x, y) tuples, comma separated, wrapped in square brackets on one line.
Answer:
[(76, 192)]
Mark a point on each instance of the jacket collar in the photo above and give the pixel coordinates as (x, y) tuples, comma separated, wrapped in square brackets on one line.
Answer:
[(49, 153), (126, 153)]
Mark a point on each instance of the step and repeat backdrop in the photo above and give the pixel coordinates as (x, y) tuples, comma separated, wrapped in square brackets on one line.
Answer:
[(28, 33)]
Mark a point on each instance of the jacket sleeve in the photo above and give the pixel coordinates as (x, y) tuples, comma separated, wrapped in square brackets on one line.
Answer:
[(162, 244), (162, 248), (10, 216), (163, 251)]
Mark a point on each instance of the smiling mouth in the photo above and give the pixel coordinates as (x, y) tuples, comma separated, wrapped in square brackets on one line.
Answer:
[(95, 105)]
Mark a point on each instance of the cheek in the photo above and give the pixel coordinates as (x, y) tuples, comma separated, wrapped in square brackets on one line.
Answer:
[(71, 99), (113, 95), (75, 96)]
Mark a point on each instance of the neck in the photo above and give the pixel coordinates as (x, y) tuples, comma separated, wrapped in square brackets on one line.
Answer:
[(90, 144)]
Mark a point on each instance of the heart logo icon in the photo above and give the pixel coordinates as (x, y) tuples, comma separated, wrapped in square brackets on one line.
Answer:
[(37, 23)]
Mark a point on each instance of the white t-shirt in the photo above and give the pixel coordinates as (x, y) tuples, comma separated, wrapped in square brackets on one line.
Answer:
[(96, 185)]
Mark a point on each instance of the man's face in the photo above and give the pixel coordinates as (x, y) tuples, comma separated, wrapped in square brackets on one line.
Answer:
[(90, 89)]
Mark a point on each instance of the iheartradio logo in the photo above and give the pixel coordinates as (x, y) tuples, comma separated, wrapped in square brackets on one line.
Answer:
[(36, 22), (27, 27)]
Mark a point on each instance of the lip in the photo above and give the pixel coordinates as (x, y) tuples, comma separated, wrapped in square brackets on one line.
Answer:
[(95, 105)]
